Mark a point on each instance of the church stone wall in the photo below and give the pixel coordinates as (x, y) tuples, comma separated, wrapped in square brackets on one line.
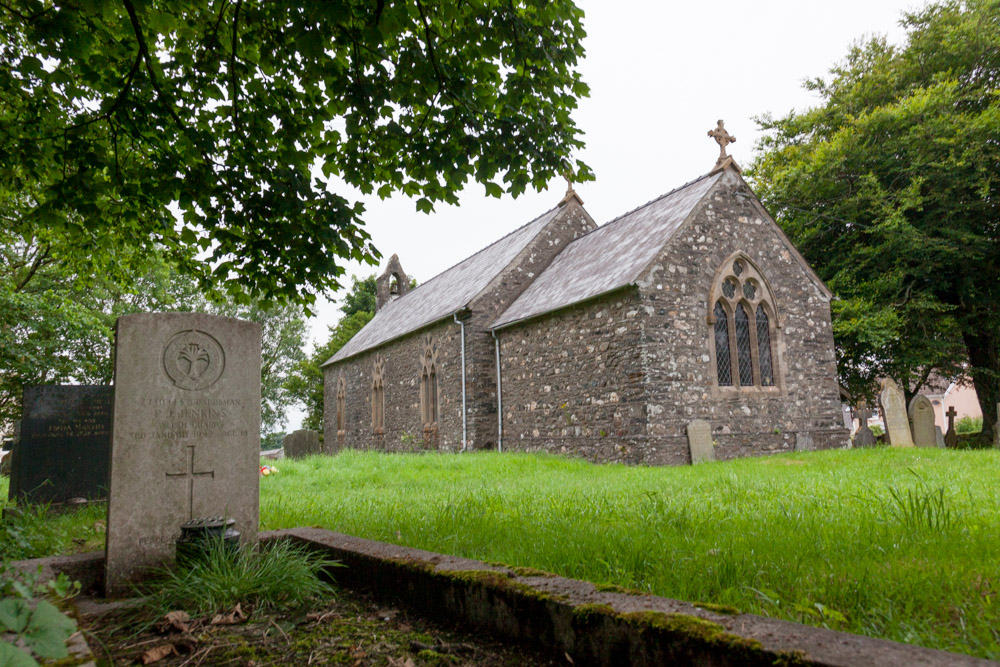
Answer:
[(573, 381), (403, 427), (678, 365)]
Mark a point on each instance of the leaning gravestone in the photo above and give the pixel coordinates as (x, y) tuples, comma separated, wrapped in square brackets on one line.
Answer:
[(864, 436), (897, 424), (699, 433), (922, 420), (301, 443), (186, 435), (65, 443)]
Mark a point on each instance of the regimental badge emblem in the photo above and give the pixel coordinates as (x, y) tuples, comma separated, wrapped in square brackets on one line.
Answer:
[(193, 360)]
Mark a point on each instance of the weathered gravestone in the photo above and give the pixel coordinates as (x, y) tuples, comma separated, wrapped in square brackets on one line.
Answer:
[(922, 420), (186, 435), (301, 443), (951, 437), (897, 424), (8, 460), (804, 442), (938, 436), (65, 444), (864, 436), (699, 433)]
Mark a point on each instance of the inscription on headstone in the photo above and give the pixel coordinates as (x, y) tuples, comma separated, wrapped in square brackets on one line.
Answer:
[(922, 420), (864, 436), (699, 433), (897, 424), (186, 435), (301, 443), (64, 446)]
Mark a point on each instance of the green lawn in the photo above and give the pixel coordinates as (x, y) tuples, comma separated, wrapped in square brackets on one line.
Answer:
[(901, 544), (888, 543)]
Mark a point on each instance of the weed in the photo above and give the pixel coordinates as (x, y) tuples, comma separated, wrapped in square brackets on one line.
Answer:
[(919, 508)]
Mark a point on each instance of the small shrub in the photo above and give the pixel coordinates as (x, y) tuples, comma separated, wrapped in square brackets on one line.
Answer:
[(277, 575), (969, 425)]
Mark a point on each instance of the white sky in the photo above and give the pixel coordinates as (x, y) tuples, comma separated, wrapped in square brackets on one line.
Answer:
[(660, 75)]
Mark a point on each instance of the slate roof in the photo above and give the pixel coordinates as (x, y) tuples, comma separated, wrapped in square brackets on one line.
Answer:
[(444, 294), (610, 257)]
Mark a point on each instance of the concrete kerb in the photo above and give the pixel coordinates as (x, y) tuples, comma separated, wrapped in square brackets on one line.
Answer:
[(594, 627)]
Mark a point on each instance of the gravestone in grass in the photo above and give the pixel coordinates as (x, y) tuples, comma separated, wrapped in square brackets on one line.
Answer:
[(699, 434), (63, 449), (301, 443), (938, 436), (897, 424), (922, 420), (186, 435), (864, 436), (951, 436), (804, 442)]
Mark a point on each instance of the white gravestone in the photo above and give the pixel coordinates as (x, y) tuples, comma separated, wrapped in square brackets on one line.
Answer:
[(185, 438), (897, 424), (699, 433), (921, 414)]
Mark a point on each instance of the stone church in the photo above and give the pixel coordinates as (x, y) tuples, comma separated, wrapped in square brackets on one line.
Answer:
[(602, 341)]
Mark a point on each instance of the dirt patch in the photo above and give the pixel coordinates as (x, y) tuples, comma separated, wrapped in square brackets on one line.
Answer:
[(347, 630)]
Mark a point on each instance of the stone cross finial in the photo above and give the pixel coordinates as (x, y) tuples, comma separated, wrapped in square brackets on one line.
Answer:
[(723, 138), (570, 192)]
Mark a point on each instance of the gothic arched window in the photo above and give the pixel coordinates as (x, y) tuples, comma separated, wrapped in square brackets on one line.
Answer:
[(341, 405), (429, 385), (378, 395), (743, 325)]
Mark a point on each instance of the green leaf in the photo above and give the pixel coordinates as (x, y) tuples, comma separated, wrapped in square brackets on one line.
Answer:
[(48, 631), (14, 615), (12, 656)]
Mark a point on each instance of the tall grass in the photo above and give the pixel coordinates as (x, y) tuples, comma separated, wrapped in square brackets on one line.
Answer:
[(35, 531), (891, 543)]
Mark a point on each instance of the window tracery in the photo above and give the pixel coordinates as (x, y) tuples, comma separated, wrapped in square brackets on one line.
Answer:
[(429, 385), (744, 326)]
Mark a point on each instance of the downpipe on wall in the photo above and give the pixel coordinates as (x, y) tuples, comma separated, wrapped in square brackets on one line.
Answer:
[(496, 341), (465, 427)]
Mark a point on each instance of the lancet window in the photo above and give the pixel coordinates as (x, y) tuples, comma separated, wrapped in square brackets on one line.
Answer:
[(378, 395), (743, 325), (429, 385), (341, 405)]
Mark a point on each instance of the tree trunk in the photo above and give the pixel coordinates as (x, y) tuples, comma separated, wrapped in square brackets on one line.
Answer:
[(984, 362)]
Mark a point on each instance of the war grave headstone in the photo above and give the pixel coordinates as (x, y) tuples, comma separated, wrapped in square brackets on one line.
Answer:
[(64, 445), (301, 443), (922, 420), (864, 436), (186, 435), (699, 433), (897, 424), (951, 436)]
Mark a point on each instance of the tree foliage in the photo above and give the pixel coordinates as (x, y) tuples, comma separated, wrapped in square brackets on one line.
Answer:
[(262, 119), (891, 187)]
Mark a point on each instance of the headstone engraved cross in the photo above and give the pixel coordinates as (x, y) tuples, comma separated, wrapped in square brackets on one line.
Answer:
[(190, 474), (185, 439), (951, 437)]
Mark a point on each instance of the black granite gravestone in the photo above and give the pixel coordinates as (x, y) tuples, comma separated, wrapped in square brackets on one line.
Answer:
[(65, 444)]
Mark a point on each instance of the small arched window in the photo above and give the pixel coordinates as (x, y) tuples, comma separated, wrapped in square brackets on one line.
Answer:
[(743, 326), (429, 385), (378, 396), (341, 405)]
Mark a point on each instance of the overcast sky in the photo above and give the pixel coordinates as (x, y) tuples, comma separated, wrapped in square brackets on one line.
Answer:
[(660, 75)]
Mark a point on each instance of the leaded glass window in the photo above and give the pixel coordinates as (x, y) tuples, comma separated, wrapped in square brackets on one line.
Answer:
[(723, 359), (764, 348), (744, 355), (743, 346)]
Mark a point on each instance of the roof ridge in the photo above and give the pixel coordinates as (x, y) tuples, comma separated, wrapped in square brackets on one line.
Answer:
[(653, 201), (481, 250)]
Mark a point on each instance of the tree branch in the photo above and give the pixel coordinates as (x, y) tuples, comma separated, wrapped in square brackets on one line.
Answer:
[(144, 51), (232, 67)]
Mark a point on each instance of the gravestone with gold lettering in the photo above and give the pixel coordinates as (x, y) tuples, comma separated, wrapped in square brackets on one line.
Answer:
[(186, 435), (64, 444)]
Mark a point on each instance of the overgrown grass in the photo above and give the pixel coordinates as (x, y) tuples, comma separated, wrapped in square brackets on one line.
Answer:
[(35, 531), (278, 575), (885, 542)]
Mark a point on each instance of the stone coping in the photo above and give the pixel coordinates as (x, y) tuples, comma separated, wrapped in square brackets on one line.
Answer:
[(593, 627)]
